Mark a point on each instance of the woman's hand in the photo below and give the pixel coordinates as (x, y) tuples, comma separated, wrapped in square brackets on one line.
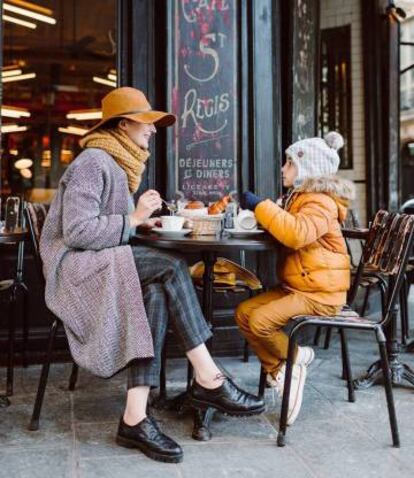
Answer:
[(148, 202)]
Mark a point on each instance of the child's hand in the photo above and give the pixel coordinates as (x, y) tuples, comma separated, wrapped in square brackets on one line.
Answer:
[(249, 201)]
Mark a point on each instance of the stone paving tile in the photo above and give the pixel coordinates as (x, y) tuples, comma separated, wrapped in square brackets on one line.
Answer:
[(246, 461), (136, 465), (331, 437), (55, 422), (36, 463)]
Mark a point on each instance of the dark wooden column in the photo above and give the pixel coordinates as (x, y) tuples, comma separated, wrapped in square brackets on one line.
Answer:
[(381, 85), (136, 62), (391, 106), (265, 125), (1, 90)]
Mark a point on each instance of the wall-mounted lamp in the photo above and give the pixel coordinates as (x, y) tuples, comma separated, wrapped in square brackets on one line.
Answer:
[(26, 173), (24, 163)]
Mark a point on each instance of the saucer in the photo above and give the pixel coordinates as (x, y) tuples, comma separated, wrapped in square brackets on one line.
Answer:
[(172, 234), (240, 233)]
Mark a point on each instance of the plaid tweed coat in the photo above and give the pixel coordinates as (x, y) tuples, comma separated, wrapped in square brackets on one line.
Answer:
[(92, 283)]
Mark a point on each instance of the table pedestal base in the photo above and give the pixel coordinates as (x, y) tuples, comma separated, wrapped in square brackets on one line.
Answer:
[(4, 401), (400, 372), (181, 404), (409, 348)]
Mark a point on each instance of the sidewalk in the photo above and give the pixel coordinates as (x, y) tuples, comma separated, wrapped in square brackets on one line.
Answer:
[(331, 438)]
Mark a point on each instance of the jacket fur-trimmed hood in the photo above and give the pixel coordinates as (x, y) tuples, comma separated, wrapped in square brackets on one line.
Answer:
[(341, 190), (332, 185)]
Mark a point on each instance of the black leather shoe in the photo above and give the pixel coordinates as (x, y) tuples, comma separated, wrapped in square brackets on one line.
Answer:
[(147, 437), (228, 398)]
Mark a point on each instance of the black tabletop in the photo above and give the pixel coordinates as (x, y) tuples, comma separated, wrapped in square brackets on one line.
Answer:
[(221, 243), (17, 235)]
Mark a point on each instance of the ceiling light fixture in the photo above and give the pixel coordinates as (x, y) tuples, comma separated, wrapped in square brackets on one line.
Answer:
[(14, 112), (73, 130), (23, 163), (84, 115), (104, 81), (12, 128), (18, 21), (32, 6), (14, 72), (26, 173), (29, 13), (25, 76)]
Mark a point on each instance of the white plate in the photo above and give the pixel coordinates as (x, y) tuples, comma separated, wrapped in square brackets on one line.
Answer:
[(244, 233), (172, 234)]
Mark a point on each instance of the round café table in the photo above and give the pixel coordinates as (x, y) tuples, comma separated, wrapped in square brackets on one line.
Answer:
[(209, 248), (17, 236)]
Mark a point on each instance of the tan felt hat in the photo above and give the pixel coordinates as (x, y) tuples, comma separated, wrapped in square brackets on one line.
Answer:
[(127, 102)]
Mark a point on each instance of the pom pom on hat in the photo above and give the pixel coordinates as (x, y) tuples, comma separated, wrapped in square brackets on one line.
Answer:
[(334, 140)]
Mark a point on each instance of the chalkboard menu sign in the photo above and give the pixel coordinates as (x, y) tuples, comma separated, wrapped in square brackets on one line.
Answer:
[(204, 97), (304, 53)]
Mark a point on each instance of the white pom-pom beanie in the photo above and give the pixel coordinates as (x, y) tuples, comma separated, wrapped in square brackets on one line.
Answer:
[(316, 157)]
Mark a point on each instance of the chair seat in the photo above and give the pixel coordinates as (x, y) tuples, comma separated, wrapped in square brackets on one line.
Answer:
[(235, 289), (347, 316)]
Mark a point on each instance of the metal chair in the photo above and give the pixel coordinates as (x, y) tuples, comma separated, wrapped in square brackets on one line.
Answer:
[(35, 216), (386, 251), (10, 291), (371, 279)]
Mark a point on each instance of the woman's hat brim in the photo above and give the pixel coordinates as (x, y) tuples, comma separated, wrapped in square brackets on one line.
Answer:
[(158, 118)]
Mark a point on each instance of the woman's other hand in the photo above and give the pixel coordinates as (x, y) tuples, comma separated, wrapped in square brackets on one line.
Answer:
[(148, 202)]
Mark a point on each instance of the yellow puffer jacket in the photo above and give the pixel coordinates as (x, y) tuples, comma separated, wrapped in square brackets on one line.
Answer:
[(314, 259)]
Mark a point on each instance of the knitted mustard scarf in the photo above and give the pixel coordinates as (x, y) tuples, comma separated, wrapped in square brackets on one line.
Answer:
[(130, 157)]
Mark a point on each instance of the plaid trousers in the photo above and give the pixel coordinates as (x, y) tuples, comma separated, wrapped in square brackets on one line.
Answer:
[(170, 301)]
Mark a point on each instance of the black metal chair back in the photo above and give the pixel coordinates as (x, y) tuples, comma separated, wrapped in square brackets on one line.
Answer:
[(386, 251), (352, 222), (35, 214)]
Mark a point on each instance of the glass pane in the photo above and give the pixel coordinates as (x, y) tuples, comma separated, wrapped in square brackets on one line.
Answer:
[(204, 98), (53, 67)]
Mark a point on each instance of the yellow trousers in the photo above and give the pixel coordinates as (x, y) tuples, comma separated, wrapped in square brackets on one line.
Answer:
[(262, 318)]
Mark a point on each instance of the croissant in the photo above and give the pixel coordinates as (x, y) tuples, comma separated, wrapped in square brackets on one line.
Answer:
[(219, 206)]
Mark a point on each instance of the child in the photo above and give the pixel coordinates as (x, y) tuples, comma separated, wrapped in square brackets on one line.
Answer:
[(314, 267)]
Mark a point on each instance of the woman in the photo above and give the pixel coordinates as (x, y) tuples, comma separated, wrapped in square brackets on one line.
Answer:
[(93, 277)]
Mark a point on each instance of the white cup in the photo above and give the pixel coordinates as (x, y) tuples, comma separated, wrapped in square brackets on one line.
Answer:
[(246, 220), (172, 223)]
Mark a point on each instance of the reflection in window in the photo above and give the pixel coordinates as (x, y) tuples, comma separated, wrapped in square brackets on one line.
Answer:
[(335, 108), (59, 60)]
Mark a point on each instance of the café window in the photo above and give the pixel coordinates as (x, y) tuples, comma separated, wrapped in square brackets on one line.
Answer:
[(59, 60), (204, 93), (335, 104)]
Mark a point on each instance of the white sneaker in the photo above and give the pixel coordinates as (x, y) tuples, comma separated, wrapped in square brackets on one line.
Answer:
[(296, 388), (305, 356)]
